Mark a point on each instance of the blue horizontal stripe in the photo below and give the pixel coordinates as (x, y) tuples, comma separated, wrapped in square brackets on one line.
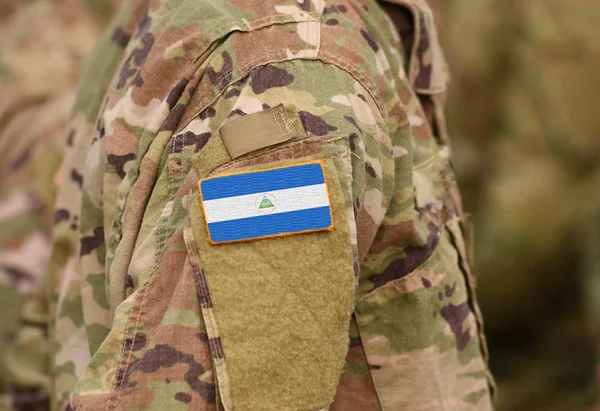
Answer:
[(262, 181), (270, 225)]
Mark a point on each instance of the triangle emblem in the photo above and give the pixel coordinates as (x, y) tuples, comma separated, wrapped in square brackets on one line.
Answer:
[(265, 203)]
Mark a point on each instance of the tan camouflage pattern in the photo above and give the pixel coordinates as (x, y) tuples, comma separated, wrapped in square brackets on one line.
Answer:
[(522, 108), (133, 326), (42, 46)]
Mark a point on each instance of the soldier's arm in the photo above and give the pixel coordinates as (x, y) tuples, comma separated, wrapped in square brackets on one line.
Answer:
[(256, 275), (233, 184), (281, 305)]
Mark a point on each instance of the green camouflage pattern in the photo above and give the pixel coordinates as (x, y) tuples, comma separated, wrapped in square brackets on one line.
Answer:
[(134, 327), (38, 72), (522, 108)]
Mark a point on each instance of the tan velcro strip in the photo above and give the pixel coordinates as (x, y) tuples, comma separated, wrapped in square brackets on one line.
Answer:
[(258, 130)]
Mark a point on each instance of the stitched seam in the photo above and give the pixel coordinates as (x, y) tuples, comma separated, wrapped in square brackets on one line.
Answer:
[(276, 18), (357, 75), (251, 63), (134, 170), (218, 357), (209, 99), (162, 230), (306, 36), (133, 178), (261, 23), (243, 71), (277, 122), (137, 321), (289, 124), (200, 285), (210, 240), (114, 384), (322, 5), (142, 291), (280, 151), (133, 174), (268, 59), (314, 15)]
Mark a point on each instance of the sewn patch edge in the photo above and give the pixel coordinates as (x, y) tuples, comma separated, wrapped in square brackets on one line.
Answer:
[(280, 235)]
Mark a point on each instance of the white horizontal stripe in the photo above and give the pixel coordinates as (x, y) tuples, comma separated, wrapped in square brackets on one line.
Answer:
[(291, 199)]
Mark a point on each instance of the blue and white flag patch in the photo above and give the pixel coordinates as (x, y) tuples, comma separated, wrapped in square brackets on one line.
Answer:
[(266, 203)]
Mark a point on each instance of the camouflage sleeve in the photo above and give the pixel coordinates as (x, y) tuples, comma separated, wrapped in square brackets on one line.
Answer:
[(340, 125), (243, 184), (336, 122), (333, 121)]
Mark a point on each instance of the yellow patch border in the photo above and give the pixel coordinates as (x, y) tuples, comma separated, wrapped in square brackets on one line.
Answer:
[(320, 230)]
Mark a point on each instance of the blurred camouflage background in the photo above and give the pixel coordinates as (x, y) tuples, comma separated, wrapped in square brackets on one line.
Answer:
[(42, 46), (523, 112)]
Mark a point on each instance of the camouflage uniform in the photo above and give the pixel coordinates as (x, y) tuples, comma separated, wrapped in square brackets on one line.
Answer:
[(39, 66), (528, 158), (377, 314)]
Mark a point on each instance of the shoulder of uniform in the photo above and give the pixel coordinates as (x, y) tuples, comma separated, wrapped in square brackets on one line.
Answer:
[(335, 34), (211, 20), (219, 43)]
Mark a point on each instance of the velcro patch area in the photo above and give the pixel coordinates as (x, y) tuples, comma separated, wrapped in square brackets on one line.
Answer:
[(267, 203)]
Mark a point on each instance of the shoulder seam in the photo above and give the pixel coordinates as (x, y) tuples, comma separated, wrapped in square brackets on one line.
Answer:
[(346, 66), (275, 58)]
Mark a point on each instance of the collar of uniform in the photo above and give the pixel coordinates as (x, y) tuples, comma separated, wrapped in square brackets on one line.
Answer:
[(427, 68)]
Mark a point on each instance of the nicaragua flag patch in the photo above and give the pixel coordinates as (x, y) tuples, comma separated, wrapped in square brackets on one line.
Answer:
[(266, 203)]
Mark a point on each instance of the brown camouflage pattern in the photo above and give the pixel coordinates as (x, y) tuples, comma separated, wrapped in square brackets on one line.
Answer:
[(133, 310)]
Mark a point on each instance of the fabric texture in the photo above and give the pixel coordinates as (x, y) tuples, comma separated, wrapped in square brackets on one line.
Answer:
[(150, 315), (266, 203), (289, 322), (259, 130)]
